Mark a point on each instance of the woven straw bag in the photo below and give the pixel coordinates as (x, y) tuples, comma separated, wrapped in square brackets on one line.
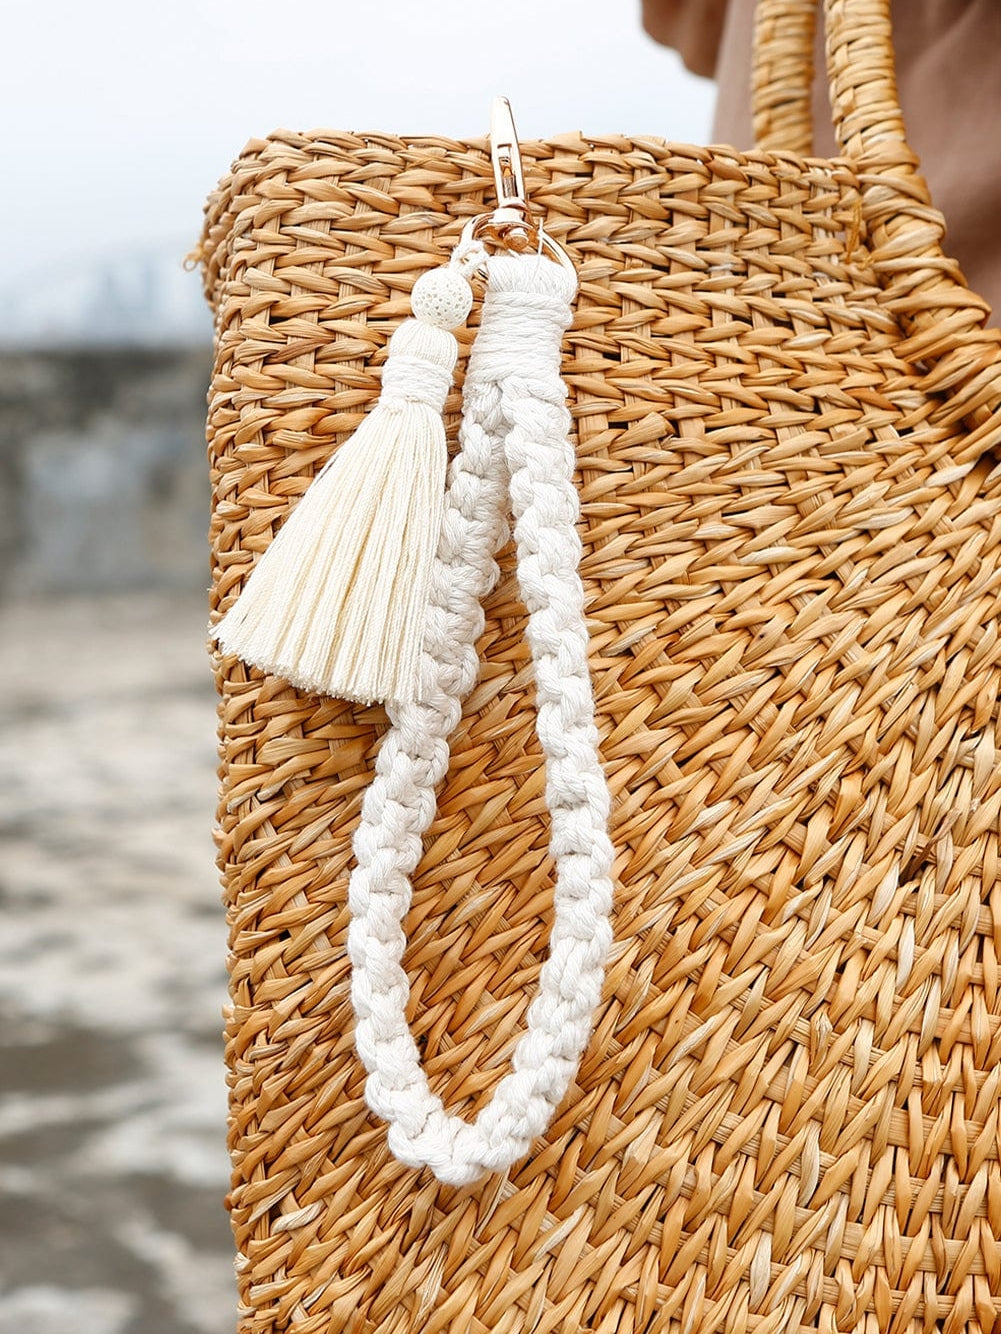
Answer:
[(784, 400)]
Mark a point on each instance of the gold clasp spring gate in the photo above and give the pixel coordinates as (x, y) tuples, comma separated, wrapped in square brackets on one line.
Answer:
[(511, 225)]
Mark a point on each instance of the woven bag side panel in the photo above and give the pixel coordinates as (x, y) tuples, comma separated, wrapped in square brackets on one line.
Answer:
[(788, 1116)]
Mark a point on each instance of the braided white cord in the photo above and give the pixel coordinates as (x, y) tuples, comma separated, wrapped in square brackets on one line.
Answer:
[(514, 421)]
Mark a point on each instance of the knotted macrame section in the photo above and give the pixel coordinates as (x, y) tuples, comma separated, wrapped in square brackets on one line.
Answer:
[(515, 456)]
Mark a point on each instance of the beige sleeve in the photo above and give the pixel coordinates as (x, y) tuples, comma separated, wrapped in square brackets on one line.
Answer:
[(690, 27)]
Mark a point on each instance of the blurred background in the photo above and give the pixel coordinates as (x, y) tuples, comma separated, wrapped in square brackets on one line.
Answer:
[(119, 120)]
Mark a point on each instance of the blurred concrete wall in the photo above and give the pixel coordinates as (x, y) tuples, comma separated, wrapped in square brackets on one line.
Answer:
[(113, 1165), (103, 478)]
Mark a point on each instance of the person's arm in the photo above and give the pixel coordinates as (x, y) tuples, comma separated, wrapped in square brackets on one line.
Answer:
[(690, 27)]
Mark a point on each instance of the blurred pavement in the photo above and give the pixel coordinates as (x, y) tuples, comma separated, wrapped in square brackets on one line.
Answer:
[(112, 972)]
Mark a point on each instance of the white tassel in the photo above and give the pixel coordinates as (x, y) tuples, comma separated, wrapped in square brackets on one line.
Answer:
[(336, 603)]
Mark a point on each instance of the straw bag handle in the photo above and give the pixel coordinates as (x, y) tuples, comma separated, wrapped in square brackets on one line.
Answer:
[(782, 75), (944, 321), (861, 73)]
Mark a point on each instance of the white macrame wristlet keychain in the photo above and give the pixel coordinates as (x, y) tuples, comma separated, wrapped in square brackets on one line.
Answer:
[(372, 590)]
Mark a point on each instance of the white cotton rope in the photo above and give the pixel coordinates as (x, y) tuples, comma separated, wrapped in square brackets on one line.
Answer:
[(514, 447)]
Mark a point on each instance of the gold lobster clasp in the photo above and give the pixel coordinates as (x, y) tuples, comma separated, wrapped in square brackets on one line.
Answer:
[(510, 225)]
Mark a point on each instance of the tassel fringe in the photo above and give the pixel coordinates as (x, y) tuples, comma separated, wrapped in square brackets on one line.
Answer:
[(336, 604)]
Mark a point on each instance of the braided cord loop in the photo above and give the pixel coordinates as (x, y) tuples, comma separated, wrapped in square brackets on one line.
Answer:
[(514, 448)]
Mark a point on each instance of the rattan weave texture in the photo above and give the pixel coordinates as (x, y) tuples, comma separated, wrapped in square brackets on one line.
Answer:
[(788, 1118)]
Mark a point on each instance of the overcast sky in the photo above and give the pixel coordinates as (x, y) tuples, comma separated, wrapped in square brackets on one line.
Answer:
[(120, 115)]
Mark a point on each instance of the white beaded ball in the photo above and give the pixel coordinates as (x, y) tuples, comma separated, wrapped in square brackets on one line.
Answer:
[(442, 297)]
